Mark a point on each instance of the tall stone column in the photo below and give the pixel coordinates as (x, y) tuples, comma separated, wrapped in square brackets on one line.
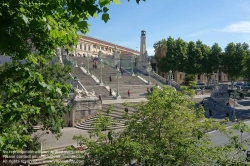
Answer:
[(142, 47)]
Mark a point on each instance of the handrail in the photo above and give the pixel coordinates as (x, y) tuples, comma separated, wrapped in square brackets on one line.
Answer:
[(142, 67), (79, 84)]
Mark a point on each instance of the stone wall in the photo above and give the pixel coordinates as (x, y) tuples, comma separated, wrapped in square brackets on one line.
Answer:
[(84, 108)]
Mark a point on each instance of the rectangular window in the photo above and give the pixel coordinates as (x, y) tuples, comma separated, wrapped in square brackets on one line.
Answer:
[(89, 48), (80, 46), (84, 47), (94, 46), (180, 77)]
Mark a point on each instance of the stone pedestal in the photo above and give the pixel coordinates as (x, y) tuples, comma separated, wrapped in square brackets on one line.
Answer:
[(84, 108), (220, 94)]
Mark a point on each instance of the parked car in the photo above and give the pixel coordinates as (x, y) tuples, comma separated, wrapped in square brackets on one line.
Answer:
[(238, 87), (245, 87), (201, 85), (238, 84)]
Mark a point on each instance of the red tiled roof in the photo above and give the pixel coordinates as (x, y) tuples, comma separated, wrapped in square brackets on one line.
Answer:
[(112, 45)]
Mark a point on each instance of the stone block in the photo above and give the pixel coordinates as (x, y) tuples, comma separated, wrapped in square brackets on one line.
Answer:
[(220, 94), (85, 108)]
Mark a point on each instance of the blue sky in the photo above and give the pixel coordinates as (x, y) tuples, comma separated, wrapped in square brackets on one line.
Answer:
[(220, 21)]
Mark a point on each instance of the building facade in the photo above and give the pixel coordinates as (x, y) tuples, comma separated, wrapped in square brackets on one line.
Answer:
[(180, 76), (92, 46)]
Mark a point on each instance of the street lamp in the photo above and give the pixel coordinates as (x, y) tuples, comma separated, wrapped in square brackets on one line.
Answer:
[(75, 81), (149, 68), (101, 66), (234, 95), (117, 58), (170, 77), (88, 58), (132, 64), (118, 75)]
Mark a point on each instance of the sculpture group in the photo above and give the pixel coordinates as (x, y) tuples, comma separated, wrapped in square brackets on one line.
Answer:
[(78, 93)]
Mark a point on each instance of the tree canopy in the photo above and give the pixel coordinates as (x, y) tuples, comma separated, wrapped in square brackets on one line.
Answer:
[(198, 58), (32, 93), (167, 130)]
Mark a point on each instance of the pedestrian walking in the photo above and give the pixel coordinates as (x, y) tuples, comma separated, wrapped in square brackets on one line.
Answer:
[(110, 137), (95, 65), (148, 90), (110, 79), (110, 92), (210, 113), (129, 93), (100, 98)]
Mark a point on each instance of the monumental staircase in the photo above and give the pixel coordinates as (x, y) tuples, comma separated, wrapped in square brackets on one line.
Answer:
[(90, 78)]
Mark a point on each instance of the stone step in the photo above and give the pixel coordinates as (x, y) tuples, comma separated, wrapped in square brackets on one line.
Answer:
[(117, 113)]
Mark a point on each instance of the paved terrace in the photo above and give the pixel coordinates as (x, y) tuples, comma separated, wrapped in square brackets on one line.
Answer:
[(137, 86)]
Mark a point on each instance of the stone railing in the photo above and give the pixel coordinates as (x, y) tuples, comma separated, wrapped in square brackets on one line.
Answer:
[(142, 68), (108, 61), (79, 84), (70, 61)]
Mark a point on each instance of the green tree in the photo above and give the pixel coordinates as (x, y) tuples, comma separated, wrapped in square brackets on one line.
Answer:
[(167, 130), (246, 62), (167, 62), (160, 48), (181, 53), (174, 54), (155, 134), (29, 93), (193, 63), (30, 97), (211, 59), (232, 60)]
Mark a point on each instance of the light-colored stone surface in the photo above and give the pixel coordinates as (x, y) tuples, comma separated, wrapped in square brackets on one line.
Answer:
[(220, 94)]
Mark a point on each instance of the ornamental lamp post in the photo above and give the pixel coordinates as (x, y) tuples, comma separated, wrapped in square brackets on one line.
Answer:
[(118, 75), (132, 65), (117, 58), (170, 77), (149, 68), (234, 95), (101, 66), (75, 81), (88, 59)]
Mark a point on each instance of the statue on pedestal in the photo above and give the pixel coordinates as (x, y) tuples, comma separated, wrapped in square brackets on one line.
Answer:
[(78, 94)]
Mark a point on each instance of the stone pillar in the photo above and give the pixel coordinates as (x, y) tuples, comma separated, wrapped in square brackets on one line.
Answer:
[(142, 46), (85, 108)]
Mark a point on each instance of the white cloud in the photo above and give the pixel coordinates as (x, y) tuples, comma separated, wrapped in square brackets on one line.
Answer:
[(239, 27), (200, 33)]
